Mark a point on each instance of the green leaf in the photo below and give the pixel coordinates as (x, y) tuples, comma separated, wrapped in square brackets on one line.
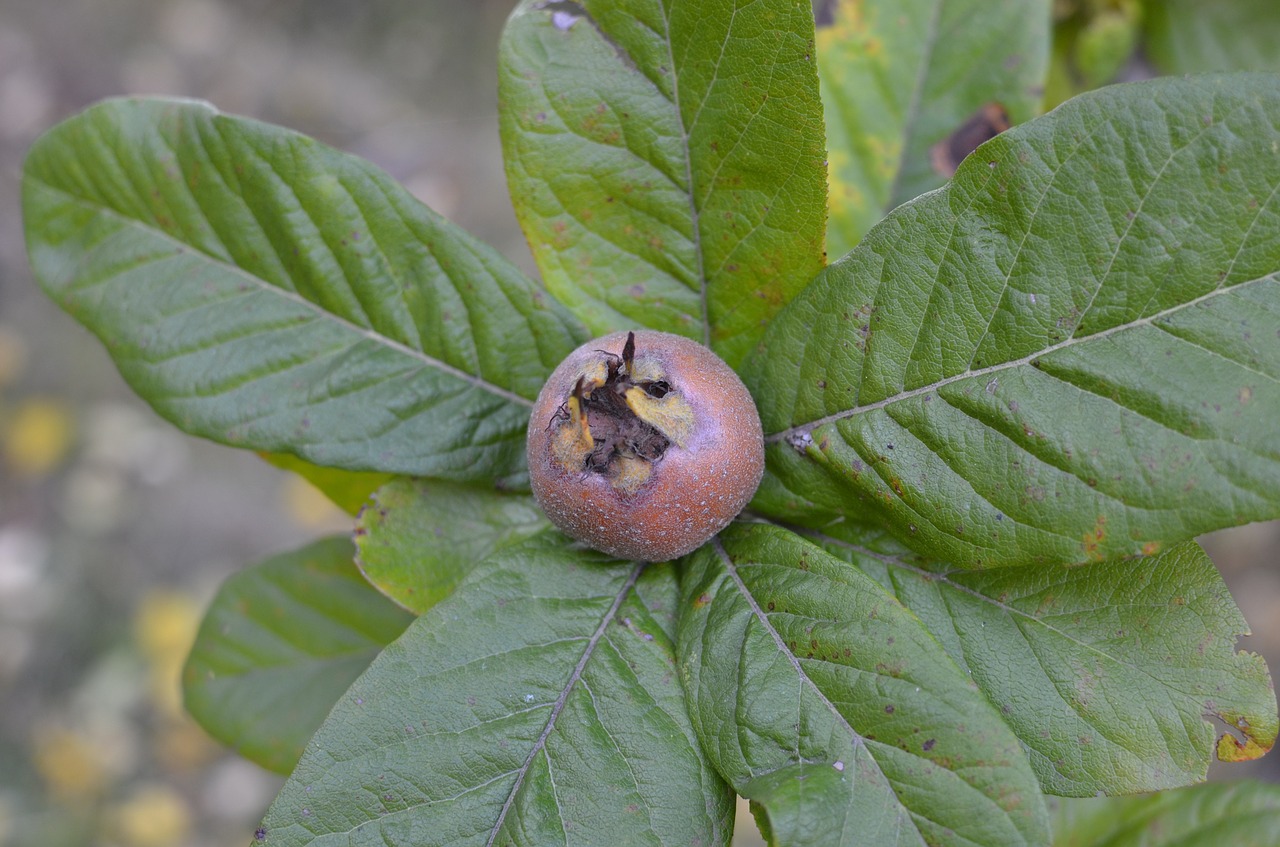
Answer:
[(909, 88), (348, 490), (822, 699), (417, 539), (279, 645), (665, 159), (1092, 45), (1241, 814), (538, 704), (1189, 36), (1067, 354), (265, 291), (1106, 672)]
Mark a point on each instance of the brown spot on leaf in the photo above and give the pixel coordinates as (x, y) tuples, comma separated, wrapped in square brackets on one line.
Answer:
[(984, 125), (1094, 538)]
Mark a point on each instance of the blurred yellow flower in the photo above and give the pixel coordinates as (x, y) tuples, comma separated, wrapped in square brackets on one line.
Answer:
[(164, 627), (155, 816), (70, 764), (38, 437)]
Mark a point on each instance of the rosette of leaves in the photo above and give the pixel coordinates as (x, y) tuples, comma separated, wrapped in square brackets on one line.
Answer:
[(995, 424)]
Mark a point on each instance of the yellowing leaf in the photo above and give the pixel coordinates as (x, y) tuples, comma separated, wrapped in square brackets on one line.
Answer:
[(309, 507)]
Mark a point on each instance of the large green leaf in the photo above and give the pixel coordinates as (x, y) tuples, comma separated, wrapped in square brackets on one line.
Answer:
[(1067, 354), (1241, 814), (417, 539), (1187, 36), (265, 291), (279, 645), (825, 702), (665, 158), (538, 704), (909, 87), (1106, 672)]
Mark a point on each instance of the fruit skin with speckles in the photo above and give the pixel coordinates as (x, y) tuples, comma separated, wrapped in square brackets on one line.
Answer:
[(595, 474)]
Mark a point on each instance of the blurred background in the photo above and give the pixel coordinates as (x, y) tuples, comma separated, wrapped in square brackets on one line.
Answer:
[(115, 528)]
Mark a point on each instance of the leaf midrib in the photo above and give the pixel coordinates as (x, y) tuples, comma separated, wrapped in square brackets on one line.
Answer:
[(1012, 611), (917, 95), (800, 430), (540, 744), (858, 740), (694, 212), (262, 285)]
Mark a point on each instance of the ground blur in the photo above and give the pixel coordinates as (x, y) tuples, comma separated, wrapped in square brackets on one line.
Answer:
[(115, 529)]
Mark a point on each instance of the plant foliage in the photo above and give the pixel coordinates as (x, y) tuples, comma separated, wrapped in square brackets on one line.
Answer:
[(995, 424)]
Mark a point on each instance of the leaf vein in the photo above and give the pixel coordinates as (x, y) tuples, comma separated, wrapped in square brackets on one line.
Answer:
[(372, 335), (539, 746), (810, 426)]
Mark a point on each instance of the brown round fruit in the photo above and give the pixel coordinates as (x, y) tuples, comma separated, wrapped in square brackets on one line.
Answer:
[(644, 445)]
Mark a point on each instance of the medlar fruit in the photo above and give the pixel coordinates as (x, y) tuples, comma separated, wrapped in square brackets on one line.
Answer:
[(644, 445)]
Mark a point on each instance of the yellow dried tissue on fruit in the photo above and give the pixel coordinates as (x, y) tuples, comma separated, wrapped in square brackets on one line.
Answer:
[(571, 441), (669, 414), (643, 445)]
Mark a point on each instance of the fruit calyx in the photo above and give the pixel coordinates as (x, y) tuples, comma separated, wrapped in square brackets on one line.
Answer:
[(620, 419)]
